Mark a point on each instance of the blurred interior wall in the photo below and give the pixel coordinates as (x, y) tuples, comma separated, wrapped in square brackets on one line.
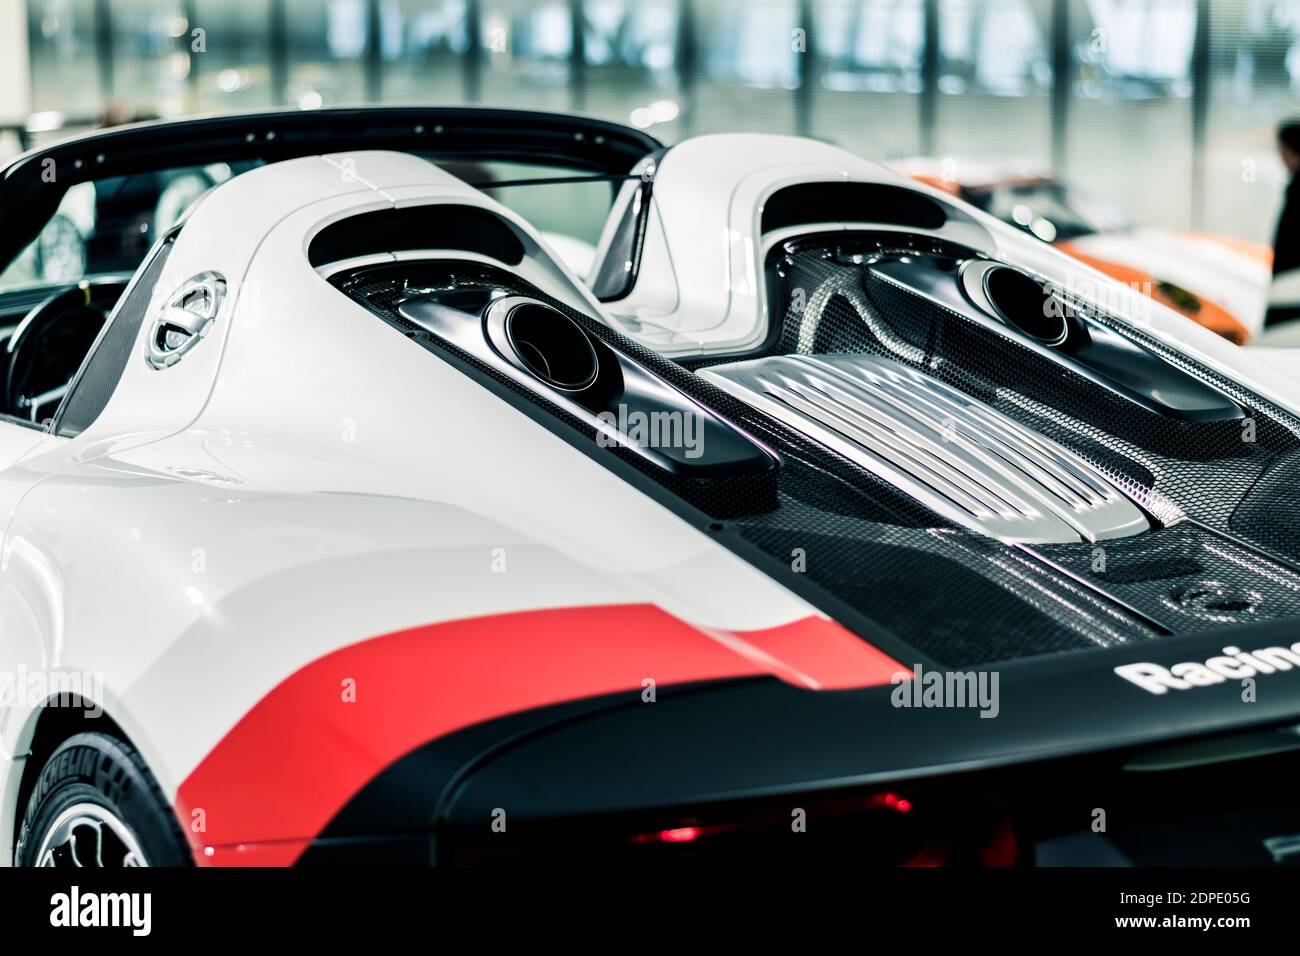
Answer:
[(1163, 108), (15, 72)]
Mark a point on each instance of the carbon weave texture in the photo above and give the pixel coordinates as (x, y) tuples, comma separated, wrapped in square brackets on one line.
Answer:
[(955, 597), (1208, 471)]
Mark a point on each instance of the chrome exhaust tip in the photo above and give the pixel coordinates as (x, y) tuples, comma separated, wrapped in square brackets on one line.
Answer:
[(1023, 302), (544, 342)]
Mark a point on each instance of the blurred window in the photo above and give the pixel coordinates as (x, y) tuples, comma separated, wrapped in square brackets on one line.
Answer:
[(526, 49), (871, 45), (752, 42), (234, 71), (326, 43), (635, 33), (532, 29), (423, 27), (151, 57), (995, 46), (65, 72), (1140, 48), (422, 42)]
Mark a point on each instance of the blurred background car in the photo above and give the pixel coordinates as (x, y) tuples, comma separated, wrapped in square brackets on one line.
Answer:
[(1218, 281)]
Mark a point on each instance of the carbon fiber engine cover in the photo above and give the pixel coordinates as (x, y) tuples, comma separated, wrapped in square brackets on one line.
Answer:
[(1221, 548)]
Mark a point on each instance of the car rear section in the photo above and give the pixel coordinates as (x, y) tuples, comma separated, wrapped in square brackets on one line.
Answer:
[(865, 532), (1070, 539)]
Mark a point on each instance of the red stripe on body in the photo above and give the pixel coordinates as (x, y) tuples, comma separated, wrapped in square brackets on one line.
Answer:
[(296, 758)]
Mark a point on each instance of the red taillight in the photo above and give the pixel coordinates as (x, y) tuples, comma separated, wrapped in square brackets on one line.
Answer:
[(922, 825), (889, 800), (840, 809), (680, 834)]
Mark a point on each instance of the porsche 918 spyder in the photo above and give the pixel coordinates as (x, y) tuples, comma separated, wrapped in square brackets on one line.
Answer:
[(457, 486)]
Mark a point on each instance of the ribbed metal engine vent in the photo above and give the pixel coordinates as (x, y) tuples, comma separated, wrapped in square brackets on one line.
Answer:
[(953, 454)]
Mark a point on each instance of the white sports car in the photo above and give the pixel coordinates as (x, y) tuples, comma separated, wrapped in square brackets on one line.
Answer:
[(453, 486)]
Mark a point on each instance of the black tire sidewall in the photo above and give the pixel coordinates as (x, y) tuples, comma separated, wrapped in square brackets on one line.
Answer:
[(100, 769)]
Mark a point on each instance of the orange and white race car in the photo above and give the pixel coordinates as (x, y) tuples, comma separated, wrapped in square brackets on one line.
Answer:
[(1220, 282)]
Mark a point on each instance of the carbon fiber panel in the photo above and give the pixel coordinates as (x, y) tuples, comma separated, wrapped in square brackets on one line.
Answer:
[(867, 553)]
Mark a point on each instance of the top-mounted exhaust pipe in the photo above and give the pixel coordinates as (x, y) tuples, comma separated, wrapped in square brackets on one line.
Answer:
[(1025, 303), (554, 357), (543, 341)]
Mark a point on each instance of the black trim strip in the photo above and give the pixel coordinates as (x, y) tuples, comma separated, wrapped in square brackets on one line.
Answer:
[(1100, 592), (1245, 545)]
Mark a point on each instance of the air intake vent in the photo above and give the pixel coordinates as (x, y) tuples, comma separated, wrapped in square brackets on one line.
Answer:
[(957, 456), (434, 226), (806, 203)]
